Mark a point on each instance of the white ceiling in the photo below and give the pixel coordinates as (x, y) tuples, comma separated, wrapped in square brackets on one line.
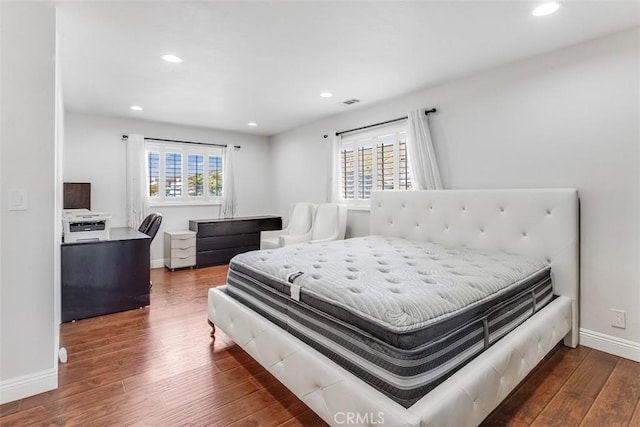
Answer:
[(267, 62)]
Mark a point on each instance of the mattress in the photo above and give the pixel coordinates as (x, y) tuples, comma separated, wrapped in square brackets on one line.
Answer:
[(400, 314)]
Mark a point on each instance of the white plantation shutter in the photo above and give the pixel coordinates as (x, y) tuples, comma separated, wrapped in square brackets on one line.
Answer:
[(177, 173), (372, 160)]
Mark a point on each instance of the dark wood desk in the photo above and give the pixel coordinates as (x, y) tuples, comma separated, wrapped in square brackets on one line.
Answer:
[(106, 276), (219, 240)]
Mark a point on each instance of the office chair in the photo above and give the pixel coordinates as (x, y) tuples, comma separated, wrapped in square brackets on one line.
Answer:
[(150, 226)]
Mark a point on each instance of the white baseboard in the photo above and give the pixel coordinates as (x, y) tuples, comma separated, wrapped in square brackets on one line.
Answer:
[(608, 344), (28, 385), (157, 263)]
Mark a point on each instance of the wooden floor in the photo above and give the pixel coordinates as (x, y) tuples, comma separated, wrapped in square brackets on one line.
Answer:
[(156, 366)]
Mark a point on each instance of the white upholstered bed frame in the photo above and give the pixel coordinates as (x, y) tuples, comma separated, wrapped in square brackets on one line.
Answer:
[(538, 222)]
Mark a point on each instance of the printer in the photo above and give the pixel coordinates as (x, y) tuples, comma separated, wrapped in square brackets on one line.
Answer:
[(79, 225)]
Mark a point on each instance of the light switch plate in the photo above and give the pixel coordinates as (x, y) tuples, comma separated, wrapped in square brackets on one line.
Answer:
[(17, 200)]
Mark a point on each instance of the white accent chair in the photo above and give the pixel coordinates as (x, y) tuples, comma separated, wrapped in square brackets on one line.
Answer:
[(300, 222), (329, 223)]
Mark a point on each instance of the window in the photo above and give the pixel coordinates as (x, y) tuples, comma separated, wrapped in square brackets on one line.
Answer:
[(195, 175), (173, 175), (179, 173), (154, 174), (215, 175), (375, 160)]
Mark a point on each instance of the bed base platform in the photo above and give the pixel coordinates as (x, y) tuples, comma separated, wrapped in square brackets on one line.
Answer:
[(465, 399)]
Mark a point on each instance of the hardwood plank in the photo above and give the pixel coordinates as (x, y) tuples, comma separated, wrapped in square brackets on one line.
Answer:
[(9, 408), (531, 397), (237, 410), (274, 414), (618, 399), (237, 357), (264, 379), (304, 419), (570, 405), (23, 417), (635, 419), (109, 411), (185, 410), (72, 403), (183, 390)]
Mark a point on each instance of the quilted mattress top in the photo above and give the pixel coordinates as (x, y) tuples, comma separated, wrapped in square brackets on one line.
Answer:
[(399, 284)]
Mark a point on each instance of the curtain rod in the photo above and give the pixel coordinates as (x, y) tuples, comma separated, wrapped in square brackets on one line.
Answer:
[(426, 113), (182, 142)]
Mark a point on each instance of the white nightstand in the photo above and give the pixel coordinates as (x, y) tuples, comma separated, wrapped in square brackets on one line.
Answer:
[(179, 249)]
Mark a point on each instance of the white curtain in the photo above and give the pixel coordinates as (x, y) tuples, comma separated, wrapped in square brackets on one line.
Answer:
[(333, 170), (425, 174), (229, 203), (137, 201)]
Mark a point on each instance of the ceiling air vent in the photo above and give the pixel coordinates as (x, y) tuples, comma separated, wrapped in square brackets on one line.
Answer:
[(349, 101)]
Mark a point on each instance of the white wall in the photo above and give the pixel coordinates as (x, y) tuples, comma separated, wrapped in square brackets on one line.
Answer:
[(565, 119), (27, 237), (94, 153)]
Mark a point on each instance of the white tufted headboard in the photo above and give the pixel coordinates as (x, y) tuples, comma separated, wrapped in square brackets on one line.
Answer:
[(538, 222)]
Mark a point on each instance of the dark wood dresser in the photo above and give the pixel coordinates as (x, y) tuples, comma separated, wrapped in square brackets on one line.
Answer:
[(219, 240)]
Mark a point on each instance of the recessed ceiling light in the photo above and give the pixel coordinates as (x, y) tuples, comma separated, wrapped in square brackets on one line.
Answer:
[(172, 58), (545, 9), (326, 94), (136, 108), (252, 124)]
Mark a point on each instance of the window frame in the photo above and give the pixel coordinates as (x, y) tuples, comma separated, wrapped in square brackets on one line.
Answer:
[(373, 138), (185, 150)]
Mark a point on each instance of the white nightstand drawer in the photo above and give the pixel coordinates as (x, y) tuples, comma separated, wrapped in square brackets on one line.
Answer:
[(182, 262), (181, 253), (183, 243)]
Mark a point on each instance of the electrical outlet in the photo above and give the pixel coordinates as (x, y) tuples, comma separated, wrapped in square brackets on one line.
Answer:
[(618, 319)]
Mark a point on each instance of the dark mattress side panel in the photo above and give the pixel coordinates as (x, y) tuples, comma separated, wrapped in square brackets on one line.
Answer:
[(405, 375)]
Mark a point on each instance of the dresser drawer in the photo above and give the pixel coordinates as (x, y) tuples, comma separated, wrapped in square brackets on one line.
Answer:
[(183, 252), (220, 256), (189, 261), (183, 243), (224, 242)]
